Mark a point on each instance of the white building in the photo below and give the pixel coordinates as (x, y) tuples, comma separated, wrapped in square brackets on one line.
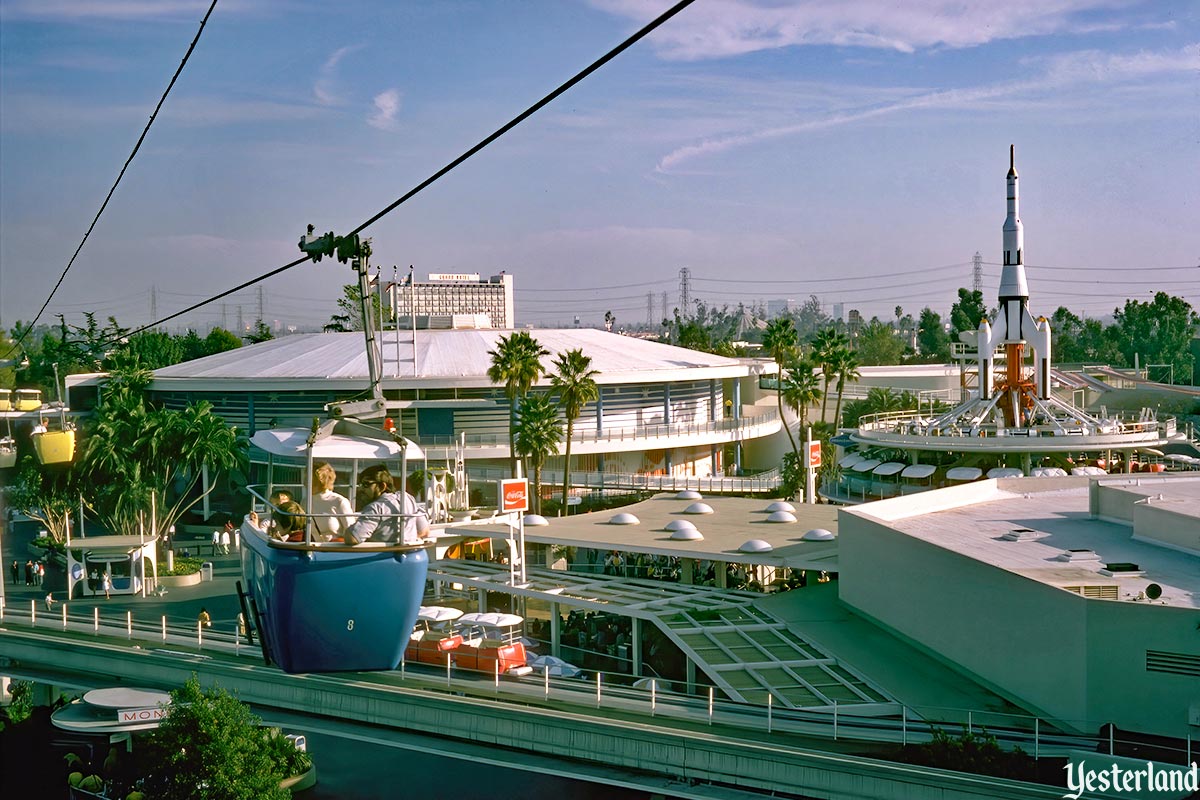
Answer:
[(1080, 603), (447, 295)]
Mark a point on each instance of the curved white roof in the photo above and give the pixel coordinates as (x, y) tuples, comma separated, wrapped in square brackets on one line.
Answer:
[(1005, 472), (294, 442), (455, 357), (918, 471), (866, 466), (963, 473), (851, 460), (890, 468)]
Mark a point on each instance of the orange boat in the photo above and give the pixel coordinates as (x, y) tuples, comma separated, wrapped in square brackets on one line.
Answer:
[(484, 642)]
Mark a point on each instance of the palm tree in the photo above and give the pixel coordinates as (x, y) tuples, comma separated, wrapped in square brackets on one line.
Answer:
[(516, 362), (779, 340), (537, 433), (802, 388), (847, 369), (825, 344), (573, 379)]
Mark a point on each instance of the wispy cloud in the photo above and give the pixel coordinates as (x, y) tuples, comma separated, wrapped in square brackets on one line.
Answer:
[(387, 105), (125, 10), (722, 28), (325, 87), (1086, 67)]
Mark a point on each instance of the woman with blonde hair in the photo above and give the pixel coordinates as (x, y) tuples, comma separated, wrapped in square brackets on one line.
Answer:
[(332, 512)]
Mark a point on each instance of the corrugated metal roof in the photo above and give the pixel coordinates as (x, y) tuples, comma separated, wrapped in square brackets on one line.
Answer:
[(457, 355)]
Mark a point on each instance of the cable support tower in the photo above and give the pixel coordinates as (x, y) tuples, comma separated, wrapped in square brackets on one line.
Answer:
[(977, 273), (530, 111), (685, 292)]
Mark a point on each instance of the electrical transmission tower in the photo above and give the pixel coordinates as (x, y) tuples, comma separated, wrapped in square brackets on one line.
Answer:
[(685, 292), (153, 303), (977, 273), (650, 310)]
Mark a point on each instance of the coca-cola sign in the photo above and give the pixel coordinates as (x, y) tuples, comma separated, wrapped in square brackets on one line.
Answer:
[(514, 495)]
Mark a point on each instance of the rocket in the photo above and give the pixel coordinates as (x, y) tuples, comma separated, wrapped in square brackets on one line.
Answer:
[(1013, 326)]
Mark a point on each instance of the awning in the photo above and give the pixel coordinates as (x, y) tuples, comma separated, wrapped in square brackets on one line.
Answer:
[(918, 471), (890, 468), (293, 442), (1150, 451), (866, 466), (964, 473), (851, 459), (1005, 472), (843, 440)]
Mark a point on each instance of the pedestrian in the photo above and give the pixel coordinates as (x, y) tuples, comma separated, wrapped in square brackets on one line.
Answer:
[(204, 618), (29, 572), (50, 601), (241, 625), (226, 538), (16, 571), (106, 584), (216, 540), (41, 573)]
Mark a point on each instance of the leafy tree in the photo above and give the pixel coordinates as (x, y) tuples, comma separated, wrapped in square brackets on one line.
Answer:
[(349, 315), (878, 343), (48, 494), (210, 746), (1158, 332), (537, 434), (516, 363), (575, 381), (219, 340), (780, 342), (933, 345), (133, 450), (261, 333), (810, 319), (967, 312), (152, 349)]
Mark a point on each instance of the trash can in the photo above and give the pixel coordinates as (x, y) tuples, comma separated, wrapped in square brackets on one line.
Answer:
[(206, 571)]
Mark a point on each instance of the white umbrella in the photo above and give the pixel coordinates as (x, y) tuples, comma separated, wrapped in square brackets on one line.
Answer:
[(555, 666), (658, 683), (438, 614)]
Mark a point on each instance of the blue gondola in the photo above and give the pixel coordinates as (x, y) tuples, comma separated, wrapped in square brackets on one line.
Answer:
[(326, 607)]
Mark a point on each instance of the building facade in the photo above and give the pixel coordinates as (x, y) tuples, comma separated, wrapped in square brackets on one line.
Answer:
[(447, 295)]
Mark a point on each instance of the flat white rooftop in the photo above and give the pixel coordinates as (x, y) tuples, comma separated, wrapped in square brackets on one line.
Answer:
[(1048, 536)]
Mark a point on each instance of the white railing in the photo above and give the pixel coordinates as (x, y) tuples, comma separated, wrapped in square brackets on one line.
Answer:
[(884, 722)]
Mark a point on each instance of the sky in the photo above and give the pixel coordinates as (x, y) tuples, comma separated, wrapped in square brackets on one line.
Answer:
[(854, 150)]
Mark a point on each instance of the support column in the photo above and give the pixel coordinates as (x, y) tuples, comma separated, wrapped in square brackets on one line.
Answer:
[(666, 404), (482, 595), (722, 569), (712, 399), (637, 646), (687, 571), (250, 413), (691, 676), (555, 632), (1026, 463), (600, 410)]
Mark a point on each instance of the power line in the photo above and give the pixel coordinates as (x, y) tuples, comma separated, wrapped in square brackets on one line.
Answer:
[(586, 71), (117, 182)]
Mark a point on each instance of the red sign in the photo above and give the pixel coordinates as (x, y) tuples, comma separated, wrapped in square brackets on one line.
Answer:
[(814, 454), (514, 495)]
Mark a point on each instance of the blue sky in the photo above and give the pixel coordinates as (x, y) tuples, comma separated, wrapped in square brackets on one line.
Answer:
[(854, 150)]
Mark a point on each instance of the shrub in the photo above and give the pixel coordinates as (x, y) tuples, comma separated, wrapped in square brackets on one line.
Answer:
[(184, 566)]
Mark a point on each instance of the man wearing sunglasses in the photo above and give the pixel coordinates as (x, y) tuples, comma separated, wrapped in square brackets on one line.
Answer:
[(379, 517)]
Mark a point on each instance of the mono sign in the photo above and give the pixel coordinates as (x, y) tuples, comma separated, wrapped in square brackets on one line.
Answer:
[(126, 716)]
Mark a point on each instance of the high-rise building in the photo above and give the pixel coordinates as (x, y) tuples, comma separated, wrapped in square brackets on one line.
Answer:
[(445, 296)]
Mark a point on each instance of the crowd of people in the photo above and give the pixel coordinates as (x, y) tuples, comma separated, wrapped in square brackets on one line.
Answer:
[(35, 572)]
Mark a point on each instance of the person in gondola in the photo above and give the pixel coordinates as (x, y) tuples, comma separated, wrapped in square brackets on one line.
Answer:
[(379, 518), (332, 513), (286, 524), (266, 523)]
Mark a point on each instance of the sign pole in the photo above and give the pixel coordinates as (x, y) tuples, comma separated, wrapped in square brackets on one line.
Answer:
[(810, 468)]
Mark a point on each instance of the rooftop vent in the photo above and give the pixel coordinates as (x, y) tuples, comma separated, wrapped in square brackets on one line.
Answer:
[(689, 494), (624, 518), (679, 524), (687, 535), (1021, 535), (780, 506), (781, 516), (534, 520), (817, 535), (1078, 555), (755, 546), (698, 508)]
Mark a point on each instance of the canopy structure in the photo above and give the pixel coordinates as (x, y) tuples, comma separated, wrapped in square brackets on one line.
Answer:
[(1048, 472), (964, 473), (348, 441), (866, 466), (491, 619), (438, 614), (918, 471), (1005, 472), (888, 468), (1088, 471), (852, 459)]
